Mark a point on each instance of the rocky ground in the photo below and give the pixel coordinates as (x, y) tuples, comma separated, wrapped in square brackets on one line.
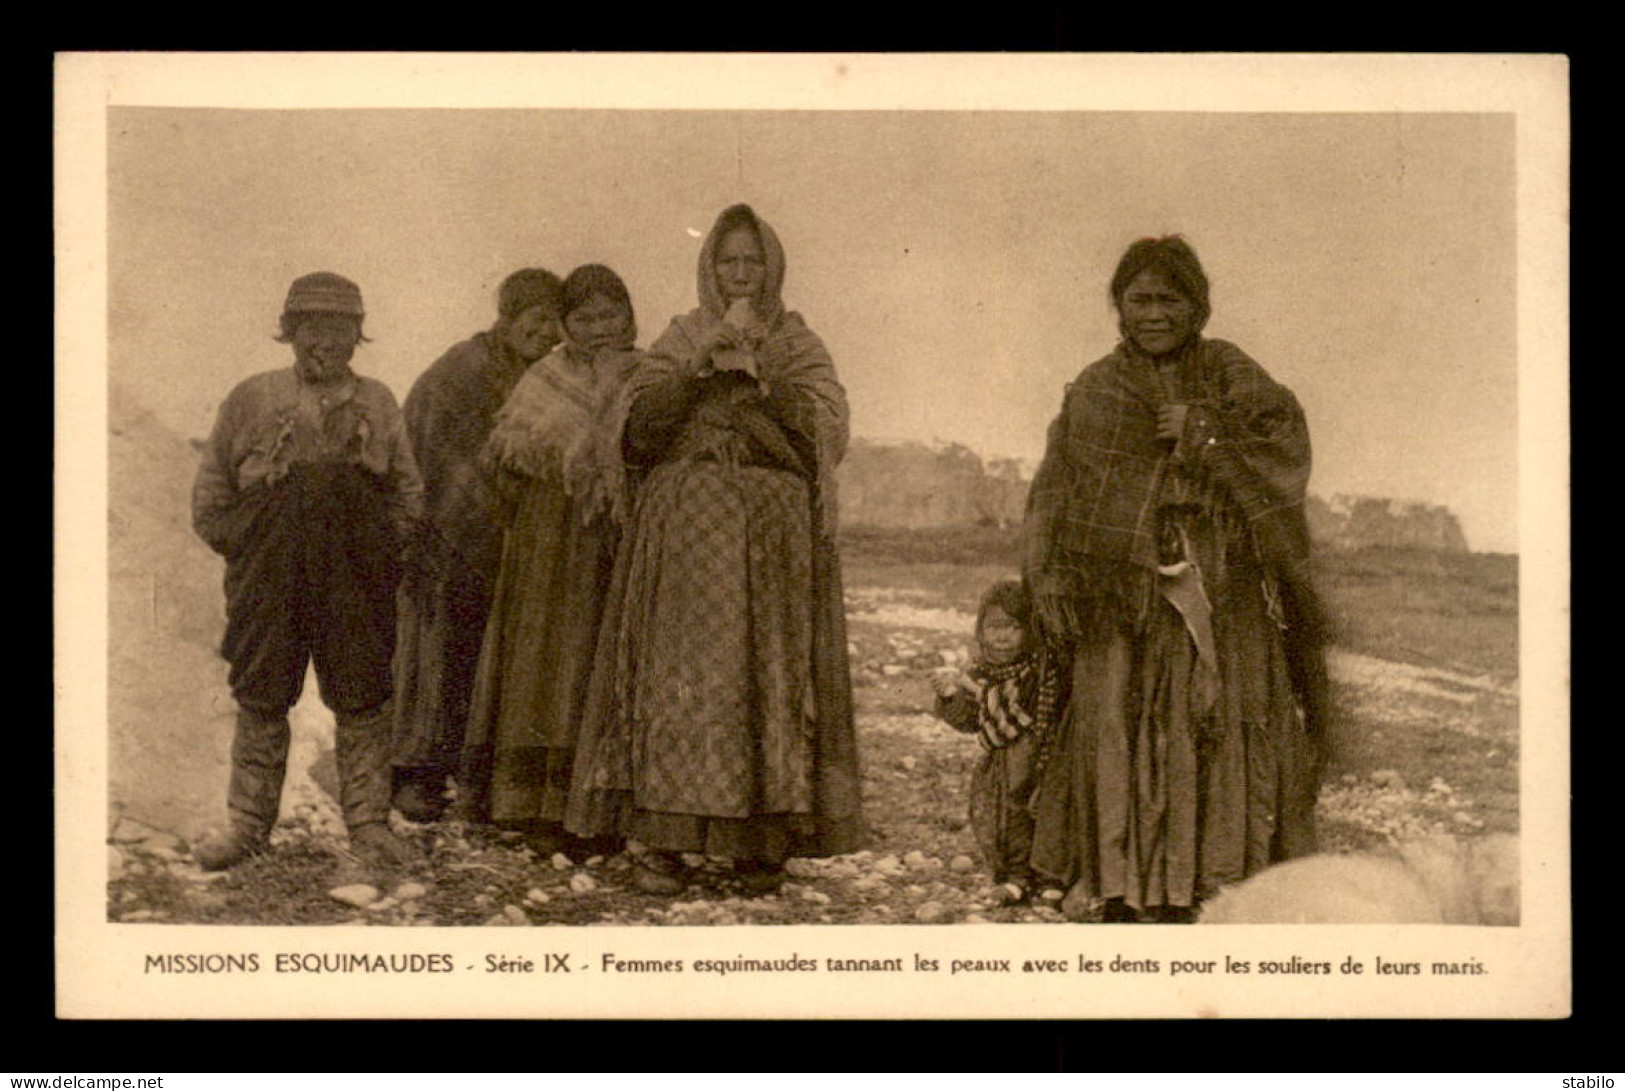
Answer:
[(1423, 748)]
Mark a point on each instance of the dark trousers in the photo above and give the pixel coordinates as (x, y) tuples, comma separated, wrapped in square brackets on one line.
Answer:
[(312, 577)]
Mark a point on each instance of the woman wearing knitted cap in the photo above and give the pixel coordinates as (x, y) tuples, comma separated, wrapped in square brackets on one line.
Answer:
[(1166, 545), (720, 719), (555, 458), (309, 490), (446, 596)]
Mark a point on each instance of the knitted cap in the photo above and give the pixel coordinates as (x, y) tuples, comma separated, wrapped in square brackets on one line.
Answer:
[(324, 292)]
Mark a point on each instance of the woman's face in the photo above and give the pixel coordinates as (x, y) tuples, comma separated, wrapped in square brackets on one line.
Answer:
[(598, 323), (532, 333), (1157, 316), (1001, 636), (323, 345), (740, 264)]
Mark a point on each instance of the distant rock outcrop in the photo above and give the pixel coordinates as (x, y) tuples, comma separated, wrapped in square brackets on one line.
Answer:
[(922, 485), (912, 484), (1355, 522)]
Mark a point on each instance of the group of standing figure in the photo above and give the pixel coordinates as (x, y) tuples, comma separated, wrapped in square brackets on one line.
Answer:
[(597, 587)]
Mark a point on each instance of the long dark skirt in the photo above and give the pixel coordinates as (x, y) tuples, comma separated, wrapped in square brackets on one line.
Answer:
[(1148, 799), (531, 682)]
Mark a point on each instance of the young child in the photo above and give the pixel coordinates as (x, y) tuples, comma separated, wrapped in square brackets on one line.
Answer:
[(1010, 698)]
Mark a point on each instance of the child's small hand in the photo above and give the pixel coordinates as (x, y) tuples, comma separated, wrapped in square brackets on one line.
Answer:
[(946, 681)]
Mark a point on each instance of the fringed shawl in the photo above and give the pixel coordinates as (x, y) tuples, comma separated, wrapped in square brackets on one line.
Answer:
[(565, 422), (1091, 530)]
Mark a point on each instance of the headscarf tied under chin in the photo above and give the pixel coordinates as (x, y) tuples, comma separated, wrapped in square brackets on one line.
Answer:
[(567, 414), (1021, 697)]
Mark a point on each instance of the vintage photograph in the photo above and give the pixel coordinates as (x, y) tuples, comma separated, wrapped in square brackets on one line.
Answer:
[(828, 512)]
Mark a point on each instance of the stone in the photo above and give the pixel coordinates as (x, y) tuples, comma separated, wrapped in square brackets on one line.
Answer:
[(1388, 778), (909, 762), (359, 895), (561, 862), (915, 860), (135, 916), (515, 915), (817, 897), (929, 912), (889, 864), (536, 895), (962, 863), (408, 892), (582, 883), (115, 862), (595, 861), (892, 670), (204, 898), (383, 905)]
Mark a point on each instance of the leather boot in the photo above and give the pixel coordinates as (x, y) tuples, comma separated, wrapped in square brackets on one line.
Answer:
[(259, 762), (366, 779)]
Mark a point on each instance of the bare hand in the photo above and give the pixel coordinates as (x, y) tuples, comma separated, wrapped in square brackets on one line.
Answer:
[(722, 337), (945, 680), (1171, 422), (1055, 616)]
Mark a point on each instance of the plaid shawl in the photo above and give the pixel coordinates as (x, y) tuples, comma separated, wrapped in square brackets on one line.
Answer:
[(1091, 530)]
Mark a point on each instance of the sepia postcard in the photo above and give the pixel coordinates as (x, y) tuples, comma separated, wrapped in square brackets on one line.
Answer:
[(740, 392)]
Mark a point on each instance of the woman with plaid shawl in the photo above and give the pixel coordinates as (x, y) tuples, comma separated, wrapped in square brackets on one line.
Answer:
[(719, 719), (1166, 547)]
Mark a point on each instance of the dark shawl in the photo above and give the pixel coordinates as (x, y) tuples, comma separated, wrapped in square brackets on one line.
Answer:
[(1092, 516), (449, 415)]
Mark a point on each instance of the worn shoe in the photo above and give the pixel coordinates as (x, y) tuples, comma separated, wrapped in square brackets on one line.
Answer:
[(659, 873), (419, 801), (1118, 911), (1011, 893), (376, 844), (230, 849), (758, 877)]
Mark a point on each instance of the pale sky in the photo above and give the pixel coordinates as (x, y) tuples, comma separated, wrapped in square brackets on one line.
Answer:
[(956, 263)]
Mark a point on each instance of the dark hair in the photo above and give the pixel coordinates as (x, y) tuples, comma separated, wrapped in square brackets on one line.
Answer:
[(1012, 597), (290, 320), (1171, 256), (590, 280), (527, 288)]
